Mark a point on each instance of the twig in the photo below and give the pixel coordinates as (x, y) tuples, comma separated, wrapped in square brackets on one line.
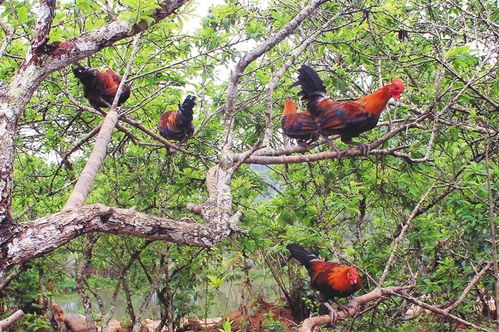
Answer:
[(468, 288), (401, 236), (492, 225), (439, 311), (133, 123)]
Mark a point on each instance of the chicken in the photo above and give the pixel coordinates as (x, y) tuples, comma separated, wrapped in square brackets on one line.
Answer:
[(332, 280), (177, 125), (100, 87), (301, 125), (347, 119)]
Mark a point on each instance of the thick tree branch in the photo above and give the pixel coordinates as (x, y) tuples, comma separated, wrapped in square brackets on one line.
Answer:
[(43, 25), (41, 236)]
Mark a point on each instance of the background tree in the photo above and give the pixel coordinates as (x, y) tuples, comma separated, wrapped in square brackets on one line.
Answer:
[(417, 214)]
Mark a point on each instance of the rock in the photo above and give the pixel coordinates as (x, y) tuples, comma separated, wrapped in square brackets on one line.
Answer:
[(58, 313), (76, 323), (114, 326), (149, 325)]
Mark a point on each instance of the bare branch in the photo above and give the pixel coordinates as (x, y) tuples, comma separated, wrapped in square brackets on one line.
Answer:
[(5, 323), (401, 236), (89, 173), (43, 235), (468, 288), (439, 311)]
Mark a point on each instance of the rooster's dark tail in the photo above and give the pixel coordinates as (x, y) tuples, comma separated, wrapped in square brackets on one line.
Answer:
[(312, 88), (301, 254)]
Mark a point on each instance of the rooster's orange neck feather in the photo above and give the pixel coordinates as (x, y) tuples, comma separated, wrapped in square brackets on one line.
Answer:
[(289, 107), (376, 101)]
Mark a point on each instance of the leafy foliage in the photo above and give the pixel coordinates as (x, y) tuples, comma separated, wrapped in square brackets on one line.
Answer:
[(348, 210)]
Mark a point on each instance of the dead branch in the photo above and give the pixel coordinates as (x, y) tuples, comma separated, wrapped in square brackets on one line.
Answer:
[(5, 323), (89, 172)]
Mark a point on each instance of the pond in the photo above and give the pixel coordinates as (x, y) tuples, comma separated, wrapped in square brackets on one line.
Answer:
[(227, 298)]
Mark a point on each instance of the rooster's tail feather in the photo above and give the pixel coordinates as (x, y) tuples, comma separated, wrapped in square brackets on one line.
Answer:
[(301, 254)]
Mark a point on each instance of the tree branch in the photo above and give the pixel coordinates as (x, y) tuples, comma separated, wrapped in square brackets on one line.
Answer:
[(5, 323), (353, 306), (41, 236), (89, 172), (492, 225), (401, 236), (274, 157), (43, 25), (468, 288), (434, 309)]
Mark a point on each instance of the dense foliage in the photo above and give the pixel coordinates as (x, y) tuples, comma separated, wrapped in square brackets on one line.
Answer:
[(350, 210)]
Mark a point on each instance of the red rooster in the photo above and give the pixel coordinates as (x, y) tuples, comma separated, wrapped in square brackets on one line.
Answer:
[(301, 125), (330, 279), (177, 125), (345, 118), (100, 87)]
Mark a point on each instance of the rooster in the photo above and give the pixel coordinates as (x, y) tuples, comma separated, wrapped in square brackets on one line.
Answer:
[(100, 87), (347, 119), (301, 126), (332, 280), (177, 125)]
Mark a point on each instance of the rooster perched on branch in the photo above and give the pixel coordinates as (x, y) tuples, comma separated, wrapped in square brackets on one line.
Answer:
[(330, 279), (177, 125), (345, 118), (100, 87), (301, 126)]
